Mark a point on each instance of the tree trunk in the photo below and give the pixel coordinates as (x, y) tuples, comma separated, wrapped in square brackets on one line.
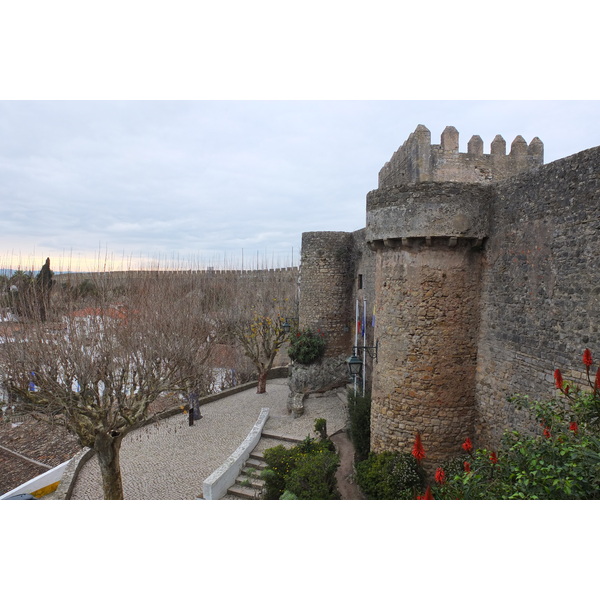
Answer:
[(262, 382), (107, 447)]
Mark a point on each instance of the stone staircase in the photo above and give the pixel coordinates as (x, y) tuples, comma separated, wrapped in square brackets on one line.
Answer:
[(249, 484)]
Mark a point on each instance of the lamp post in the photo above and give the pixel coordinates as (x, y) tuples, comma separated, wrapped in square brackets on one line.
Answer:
[(355, 363), (286, 326)]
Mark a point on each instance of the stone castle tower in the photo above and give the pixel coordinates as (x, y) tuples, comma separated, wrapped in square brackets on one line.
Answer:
[(428, 239), (475, 285)]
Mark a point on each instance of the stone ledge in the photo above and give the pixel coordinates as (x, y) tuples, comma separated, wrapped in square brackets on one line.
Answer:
[(215, 486)]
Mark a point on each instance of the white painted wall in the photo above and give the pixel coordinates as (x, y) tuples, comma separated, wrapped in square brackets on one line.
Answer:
[(39, 482)]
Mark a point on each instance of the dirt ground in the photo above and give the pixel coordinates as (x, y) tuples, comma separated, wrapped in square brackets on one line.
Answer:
[(345, 473)]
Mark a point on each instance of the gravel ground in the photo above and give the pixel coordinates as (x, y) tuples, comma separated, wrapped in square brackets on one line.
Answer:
[(169, 460)]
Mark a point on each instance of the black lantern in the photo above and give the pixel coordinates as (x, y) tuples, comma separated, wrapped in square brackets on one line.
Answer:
[(354, 365), (286, 326)]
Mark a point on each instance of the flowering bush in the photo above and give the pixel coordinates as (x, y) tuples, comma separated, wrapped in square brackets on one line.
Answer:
[(389, 476), (306, 347), (561, 461)]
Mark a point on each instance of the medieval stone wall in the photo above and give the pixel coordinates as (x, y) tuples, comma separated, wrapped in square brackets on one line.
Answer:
[(427, 329), (420, 160), (481, 281), (540, 305), (327, 278)]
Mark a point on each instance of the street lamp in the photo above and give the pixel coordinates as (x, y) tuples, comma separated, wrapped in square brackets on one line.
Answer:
[(286, 326), (355, 363)]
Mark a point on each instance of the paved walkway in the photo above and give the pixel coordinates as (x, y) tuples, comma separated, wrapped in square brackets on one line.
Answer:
[(169, 460)]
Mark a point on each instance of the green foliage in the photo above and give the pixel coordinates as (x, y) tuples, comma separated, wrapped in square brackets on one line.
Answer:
[(389, 476), (306, 347), (321, 428), (313, 478), (306, 470), (561, 461), (359, 408), (288, 496)]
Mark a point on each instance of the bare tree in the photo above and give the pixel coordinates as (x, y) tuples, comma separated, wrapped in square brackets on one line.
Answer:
[(98, 370), (261, 338), (257, 321)]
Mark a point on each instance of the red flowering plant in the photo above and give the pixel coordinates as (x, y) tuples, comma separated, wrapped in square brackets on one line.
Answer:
[(559, 458), (418, 450)]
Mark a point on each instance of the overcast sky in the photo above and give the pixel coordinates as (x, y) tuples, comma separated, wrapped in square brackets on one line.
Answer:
[(210, 181), (204, 180), (207, 132)]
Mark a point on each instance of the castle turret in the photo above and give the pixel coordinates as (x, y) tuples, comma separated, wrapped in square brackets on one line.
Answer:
[(427, 238), (428, 230), (418, 160)]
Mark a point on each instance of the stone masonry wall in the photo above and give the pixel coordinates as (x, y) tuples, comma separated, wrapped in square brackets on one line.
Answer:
[(427, 307), (419, 160), (327, 276), (540, 288), (481, 283)]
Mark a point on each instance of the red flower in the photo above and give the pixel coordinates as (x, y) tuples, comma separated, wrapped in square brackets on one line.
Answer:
[(573, 427), (467, 445), (418, 451), (546, 432), (558, 379), (494, 457), (467, 467), (597, 382), (587, 359), (440, 476), (428, 495)]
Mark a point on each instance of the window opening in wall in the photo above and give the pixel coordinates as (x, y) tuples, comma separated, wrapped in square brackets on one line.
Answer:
[(360, 282)]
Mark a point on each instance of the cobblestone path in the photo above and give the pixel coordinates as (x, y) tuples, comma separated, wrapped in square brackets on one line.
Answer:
[(169, 460)]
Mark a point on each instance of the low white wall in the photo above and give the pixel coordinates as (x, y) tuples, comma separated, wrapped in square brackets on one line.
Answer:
[(53, 476), (215, 486)]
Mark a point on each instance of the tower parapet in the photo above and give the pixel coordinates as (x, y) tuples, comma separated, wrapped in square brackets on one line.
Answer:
[(419, 160)]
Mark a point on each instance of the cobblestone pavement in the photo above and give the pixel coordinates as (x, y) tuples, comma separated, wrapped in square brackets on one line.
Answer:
[(169, 460)]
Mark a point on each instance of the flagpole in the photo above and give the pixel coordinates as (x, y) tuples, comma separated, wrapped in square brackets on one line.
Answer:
[(364, 332), (356, 338)]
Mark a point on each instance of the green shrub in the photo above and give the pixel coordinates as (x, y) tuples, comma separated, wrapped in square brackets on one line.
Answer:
[(389, 476), (321, 428), (314, 477), (288, 496), (306, 470), (561, 461), (306, 347), (280, 461), (359, 409)]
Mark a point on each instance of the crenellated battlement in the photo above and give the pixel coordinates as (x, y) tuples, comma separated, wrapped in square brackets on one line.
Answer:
[(419, 160)]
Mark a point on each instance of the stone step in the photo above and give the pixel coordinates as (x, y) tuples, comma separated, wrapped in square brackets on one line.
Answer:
[(257, 484), (282, 438), (255, 463), (249, 472), (247, 493)]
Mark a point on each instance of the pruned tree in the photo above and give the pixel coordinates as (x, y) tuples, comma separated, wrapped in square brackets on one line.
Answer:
[(257, 321), (261, 338), (98, 371)]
